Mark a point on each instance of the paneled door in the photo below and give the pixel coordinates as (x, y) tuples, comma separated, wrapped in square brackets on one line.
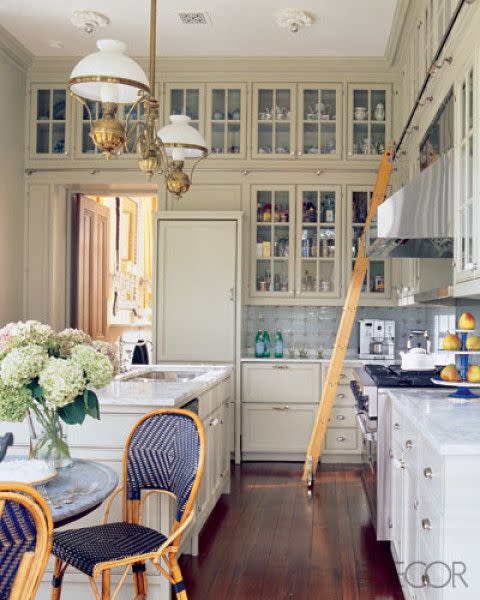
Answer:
[(195, 290), (90, 272)]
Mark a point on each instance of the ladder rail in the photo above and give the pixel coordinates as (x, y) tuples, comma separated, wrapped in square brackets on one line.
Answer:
[(346, 325)]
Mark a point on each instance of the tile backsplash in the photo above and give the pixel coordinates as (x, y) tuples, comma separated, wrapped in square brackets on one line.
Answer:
[(316, 327)]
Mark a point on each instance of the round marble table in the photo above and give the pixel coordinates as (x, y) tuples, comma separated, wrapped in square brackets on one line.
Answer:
[(78, 490)]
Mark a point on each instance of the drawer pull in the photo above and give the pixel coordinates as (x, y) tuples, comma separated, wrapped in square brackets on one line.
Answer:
[(409, 444), (340, 417), (428, 473), (341, 396), (214, 422), (280, 367), (416, 504), (396, 426), (341, 438), (426, 524), (425, 580), (281, 408)]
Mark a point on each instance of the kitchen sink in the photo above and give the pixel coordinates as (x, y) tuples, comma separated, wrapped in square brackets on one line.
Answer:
[(166, 376)]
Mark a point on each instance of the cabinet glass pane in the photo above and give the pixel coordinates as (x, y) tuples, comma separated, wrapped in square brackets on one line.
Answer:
[(328, 106), (361, 142), (58, 138), (283, 103), (218, 105), (177, 106), (310, 138), (309, 242), (265, 104), (233, 138), (88, 147), (360, 105), (328, 138), (234, 105), (59, 105), (377, 104), (281, 242), (264, 207), (326, 243), (43, 138), (43, 105), (327, 207), (377, 277), (218, 138), (280, 275), (310, 207), (282, 138), (264, 275), (357, 232), (359, 206), (192, 104), (264, 238), (310, 105), (95, 109), (265, 138), (378, 138), (309, 276), (326, 274)]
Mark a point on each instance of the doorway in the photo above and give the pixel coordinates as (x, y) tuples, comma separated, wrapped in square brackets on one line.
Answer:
[(112, 266)]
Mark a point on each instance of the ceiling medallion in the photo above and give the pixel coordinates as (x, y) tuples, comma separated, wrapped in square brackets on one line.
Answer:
[(112, 79), (293, 20), (89, 20)]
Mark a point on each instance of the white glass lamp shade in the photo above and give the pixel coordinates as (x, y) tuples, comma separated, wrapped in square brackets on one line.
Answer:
[(181, 140), (108, 75)]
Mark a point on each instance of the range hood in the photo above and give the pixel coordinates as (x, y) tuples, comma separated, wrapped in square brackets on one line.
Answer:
[(417, 220)]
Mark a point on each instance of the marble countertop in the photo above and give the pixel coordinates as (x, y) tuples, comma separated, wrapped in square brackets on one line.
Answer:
[(326, 360), (450, 428), (124, 390)]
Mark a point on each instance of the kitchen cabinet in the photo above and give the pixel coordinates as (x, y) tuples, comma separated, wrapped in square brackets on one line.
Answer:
[(50, 120), (273, 121), (377, 280), (186, 99), (318, 248), (417, 275), (369, 120), (273, 241), (319, 121), (279, 403), (227, 120), (467, 211)]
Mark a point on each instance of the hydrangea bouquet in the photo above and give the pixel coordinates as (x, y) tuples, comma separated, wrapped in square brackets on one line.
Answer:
[(52, 376)]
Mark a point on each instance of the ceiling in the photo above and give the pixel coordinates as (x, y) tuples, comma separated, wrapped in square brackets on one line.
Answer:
[(236, 27)]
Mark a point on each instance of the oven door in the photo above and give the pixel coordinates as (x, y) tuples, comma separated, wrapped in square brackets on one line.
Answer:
[(369, 463)]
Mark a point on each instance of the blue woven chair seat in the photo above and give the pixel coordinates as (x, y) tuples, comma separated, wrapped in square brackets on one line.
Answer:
[(86, 547)]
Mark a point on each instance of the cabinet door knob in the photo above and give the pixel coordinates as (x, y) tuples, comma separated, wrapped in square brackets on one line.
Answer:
[(428, 473), (280, 408), (341, 396), (425, 580), (426, 524), (340, 438), (340, 417), (396, 426), (300, 153), (342, 376), (409, 444)]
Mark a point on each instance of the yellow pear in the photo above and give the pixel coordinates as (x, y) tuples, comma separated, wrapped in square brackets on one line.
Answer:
[(473, 342), (466, 321), (450, 373), (451, 342), (473, 374)]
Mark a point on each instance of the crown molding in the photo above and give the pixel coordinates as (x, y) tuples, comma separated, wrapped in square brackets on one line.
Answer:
[(14, 50), (398, 24)]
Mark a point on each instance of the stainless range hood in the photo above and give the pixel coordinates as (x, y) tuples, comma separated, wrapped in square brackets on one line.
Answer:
[(417, 220)]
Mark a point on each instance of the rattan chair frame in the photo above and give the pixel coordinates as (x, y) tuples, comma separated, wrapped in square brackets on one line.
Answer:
[(32, 566), (132, 513)]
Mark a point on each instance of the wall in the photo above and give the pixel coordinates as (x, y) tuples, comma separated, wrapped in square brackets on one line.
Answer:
[(12, 109), (316, 327)]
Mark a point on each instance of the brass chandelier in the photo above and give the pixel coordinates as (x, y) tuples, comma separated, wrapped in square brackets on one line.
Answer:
[(112, 78)]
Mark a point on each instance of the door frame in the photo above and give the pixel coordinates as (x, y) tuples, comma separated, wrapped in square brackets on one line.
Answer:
[(237, 217)]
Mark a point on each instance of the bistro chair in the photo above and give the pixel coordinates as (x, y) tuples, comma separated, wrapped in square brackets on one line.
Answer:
[(164, 453), (25, 540)]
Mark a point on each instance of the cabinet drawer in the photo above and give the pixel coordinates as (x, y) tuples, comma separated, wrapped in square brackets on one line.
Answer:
[(344, 396), (430, 528), (344, 439), (276, 427), (431, 476), (343, 416), (206, 403), (283, 383)]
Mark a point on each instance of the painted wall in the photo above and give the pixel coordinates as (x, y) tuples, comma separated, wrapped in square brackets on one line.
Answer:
[(12, 109)]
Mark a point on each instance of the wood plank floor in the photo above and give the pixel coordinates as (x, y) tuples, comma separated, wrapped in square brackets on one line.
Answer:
[(269, 541)]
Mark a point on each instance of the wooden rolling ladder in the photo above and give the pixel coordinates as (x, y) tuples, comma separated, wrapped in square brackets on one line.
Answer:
[(346, 325)]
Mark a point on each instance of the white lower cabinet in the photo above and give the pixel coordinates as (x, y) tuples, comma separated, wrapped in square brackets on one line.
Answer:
[(433, 517), (279, 403)]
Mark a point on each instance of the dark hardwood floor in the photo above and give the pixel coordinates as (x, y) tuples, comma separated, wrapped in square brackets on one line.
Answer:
[(269, 541)]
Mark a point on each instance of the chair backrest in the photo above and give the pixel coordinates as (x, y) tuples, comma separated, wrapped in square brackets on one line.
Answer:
[(165, 451), (26, 531)]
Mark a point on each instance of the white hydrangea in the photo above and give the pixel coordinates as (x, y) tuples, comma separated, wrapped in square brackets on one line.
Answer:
[(97, 367), (61, 381), (31, 332), (23, 364)]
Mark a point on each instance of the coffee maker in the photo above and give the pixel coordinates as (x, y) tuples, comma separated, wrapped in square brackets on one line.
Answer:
[(376, 339)]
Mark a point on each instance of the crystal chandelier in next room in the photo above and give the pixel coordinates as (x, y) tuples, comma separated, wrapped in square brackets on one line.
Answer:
[(112, 78)]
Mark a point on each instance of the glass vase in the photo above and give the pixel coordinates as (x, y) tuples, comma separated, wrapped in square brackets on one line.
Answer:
[(50, 443)]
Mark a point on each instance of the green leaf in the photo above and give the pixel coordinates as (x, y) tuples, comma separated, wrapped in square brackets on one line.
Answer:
[(73, 413), (92, 407)]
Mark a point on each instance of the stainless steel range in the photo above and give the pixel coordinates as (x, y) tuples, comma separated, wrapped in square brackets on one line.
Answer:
[(369, 386)]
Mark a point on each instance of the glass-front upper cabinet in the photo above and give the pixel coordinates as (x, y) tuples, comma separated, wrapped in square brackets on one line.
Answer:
[(186, 99), (319, 121), (50, 113), (273, 239), (318, 247), (377, 280), (369, 118), (467, 213), (273, 121), (226, 120)]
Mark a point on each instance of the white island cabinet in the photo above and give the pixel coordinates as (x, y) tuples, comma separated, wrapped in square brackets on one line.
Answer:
[(206, 389), (435, 498)]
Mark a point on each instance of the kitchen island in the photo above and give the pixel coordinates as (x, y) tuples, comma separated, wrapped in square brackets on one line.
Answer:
[(435, 493), (206, 389)]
